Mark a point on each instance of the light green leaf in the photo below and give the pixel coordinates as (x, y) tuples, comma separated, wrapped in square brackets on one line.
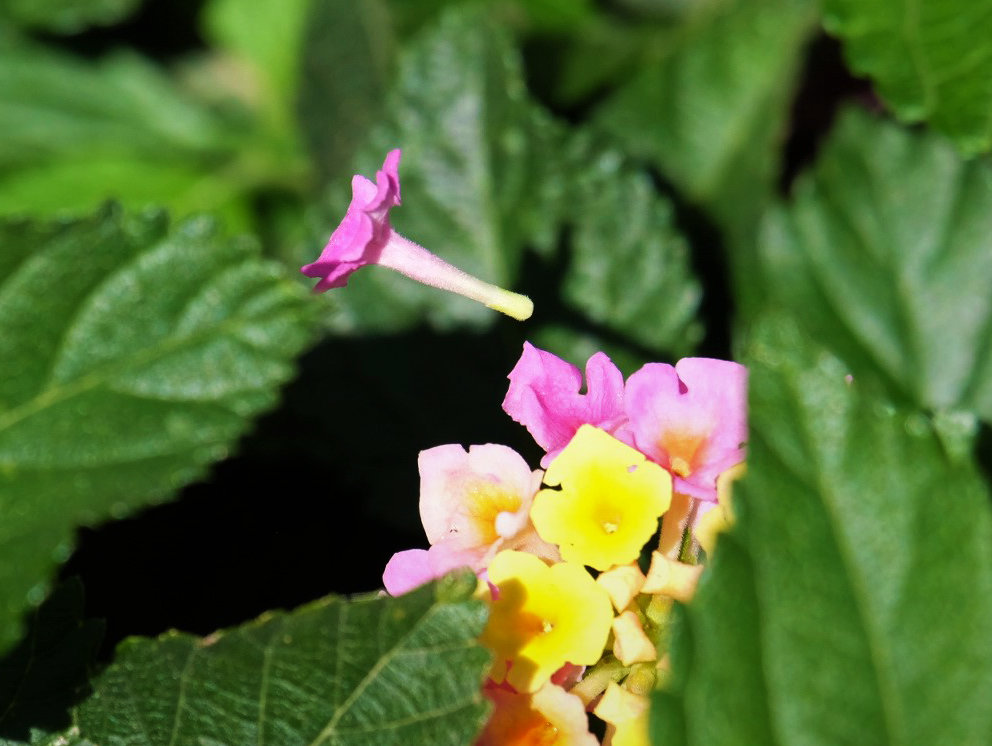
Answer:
[(269, 37), (44, 676), (374, 670), (67, 16), (886, 252), (482, 172), (133, 356), (77, 133), (859, 573), (711, 113), (629, 267), (931, 61)]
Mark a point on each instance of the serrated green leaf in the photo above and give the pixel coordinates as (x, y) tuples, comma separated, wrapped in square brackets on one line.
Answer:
[(886, 252), (374, 670), (133, 356), (44, 676), (67, 16), (931, 61), (710, 114), (862, 557), (77, 133), (629, 267), (481, 172)]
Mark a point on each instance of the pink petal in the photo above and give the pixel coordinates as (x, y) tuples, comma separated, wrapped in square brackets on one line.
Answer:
[(691, 419), (544, 397), (407, 570), (364, 230)]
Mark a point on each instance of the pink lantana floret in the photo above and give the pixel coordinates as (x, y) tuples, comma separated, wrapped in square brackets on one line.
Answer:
[(691, 419), (473, 504), (544, 397), (360, 237), (365, 236)]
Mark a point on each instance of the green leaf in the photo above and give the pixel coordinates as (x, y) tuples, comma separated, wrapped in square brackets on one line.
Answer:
[(629, 267), (482, 172), (931, 61), (710, 114), (133, 355), (373, 670), (77, 133), (67, 16), (269, 36), (348, 63), (886, 251), (44, 676), (854, 602)]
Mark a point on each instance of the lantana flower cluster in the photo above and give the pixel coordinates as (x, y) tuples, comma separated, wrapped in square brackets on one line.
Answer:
[(584, 560), (581, 560)]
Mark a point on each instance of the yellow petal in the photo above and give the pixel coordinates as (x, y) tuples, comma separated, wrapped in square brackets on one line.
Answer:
[(609, 504), (622, 583), (630, 644), (627, 715), (542, 618), (720, 518), (671, 578)]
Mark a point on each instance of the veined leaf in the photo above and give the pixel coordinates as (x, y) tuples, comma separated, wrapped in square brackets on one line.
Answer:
[(859, 568), (374, 670), (629, 267), (931, 60), (886, 253), (711, 112), (133, 356)]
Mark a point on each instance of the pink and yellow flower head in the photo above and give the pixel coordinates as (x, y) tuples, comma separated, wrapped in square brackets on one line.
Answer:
[(472, 504), (365, 237), (610, 500), (543, 617), (691, 419), (544, 397)]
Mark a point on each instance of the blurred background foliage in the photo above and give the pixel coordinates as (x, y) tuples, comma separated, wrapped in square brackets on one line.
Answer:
[(627, 163)]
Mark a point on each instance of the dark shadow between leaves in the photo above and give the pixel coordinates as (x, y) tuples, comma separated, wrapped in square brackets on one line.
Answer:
[(45, 675)]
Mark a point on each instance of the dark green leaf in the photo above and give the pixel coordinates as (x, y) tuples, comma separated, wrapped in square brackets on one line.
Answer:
[(482, 172), (711, 112), (856, 598), (374, 670), (133, 356), (886, 252), (46, 674), (931, 61), (348, 60), (629, 269), (67, 16)]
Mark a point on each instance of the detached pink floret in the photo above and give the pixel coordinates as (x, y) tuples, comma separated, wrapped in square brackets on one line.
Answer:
[(473, 504), (544, 397), (691, 419), (360, 237), (365, 237)]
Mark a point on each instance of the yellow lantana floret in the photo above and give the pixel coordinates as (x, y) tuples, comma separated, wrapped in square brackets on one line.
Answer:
[(610, 499), (542, 618)]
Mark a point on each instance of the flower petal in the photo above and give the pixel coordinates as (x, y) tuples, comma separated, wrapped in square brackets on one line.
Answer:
[(544, 397)]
